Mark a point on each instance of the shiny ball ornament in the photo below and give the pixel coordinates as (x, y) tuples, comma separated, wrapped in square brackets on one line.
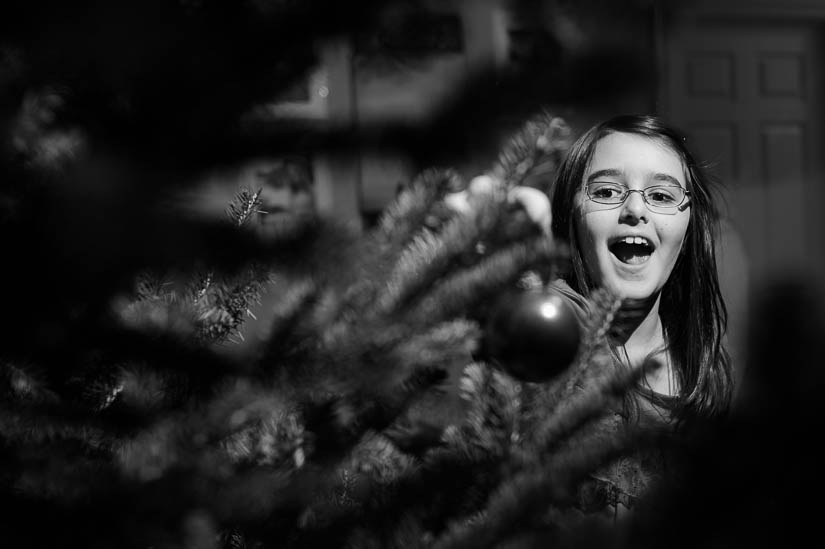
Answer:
[(533, 335)]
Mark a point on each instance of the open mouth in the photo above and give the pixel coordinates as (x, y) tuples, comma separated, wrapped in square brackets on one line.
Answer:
[(632, 250)]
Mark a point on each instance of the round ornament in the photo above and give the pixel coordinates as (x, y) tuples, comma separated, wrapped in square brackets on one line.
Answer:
[(534, 335)]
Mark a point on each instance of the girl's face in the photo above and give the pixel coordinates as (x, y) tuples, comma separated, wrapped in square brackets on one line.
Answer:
[(627, 248)]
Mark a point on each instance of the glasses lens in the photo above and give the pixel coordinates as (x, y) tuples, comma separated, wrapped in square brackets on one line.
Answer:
[(606, 193), (660, 198), (665, 197)]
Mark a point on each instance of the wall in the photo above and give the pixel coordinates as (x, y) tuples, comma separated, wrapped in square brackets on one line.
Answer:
[(367, 85)]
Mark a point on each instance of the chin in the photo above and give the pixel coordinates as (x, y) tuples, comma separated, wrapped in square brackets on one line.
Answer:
[(631, 289)]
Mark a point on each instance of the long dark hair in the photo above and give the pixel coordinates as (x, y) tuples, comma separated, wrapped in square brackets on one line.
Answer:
[(693, 312)]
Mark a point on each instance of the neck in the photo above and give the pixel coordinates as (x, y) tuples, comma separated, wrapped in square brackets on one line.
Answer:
[(639, 331), (637, 323)]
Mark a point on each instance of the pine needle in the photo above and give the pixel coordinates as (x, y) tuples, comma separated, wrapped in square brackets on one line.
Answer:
[(292, 314), (244, 204), (537, 148), (407, 214), (593, 355), (603, 307), (494, 409), (594, 401), (413, 209), (429, 255), (21, 382), (521, 499), (441, 345), (23, 425), (460, 291)]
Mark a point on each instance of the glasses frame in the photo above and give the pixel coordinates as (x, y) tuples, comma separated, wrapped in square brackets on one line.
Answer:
[(652, 207)]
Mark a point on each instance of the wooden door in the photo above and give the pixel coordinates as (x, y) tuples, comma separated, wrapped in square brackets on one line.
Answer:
[(749, 96)]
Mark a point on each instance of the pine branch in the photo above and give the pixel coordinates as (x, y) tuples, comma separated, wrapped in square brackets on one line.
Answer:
[(409, 211), (39, 425), (24, 383), (537, 148), (450, 481), (519, 500), (158, 316), (147, 391), (593, 357), (242, 423), (379, 410), (418, 205), (459, 292), (203, 281), (603, 307), (441, 345), (293, 323), (492, 420), (151, 287), (244, 205), (594, 401), (430, 254)]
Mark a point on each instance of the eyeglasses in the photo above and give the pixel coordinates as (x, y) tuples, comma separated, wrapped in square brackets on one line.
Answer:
[(659, 198)]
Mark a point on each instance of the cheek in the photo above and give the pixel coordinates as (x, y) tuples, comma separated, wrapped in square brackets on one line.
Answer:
[(675, 234), (593, 226)]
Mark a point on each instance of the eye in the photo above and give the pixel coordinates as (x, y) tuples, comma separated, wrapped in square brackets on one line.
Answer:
[(664, 195), (606, 191)]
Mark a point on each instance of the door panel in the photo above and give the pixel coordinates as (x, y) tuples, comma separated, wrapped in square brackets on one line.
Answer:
[(749, 96)]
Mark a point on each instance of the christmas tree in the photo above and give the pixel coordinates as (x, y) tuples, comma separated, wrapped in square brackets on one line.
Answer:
[(383, 407)]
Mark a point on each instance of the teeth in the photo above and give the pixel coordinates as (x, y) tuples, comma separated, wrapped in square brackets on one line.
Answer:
[(634, 240)]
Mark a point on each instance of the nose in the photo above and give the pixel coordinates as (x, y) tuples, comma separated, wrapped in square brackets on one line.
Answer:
[(634, 208)]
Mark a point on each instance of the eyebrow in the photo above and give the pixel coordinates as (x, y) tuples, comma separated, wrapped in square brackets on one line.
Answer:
[(612, 172), (666, 177), (602, 173)]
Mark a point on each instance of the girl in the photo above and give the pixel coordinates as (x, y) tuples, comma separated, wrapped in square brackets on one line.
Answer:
[(638, 215), (636, 212)]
